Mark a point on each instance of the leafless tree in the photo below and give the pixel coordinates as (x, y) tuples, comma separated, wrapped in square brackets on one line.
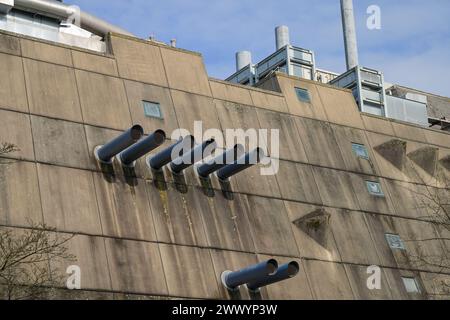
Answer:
[(433, 200), (28, 259)]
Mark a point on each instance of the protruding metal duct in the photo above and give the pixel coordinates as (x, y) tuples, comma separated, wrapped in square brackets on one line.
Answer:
[(348, 26), (247, 161), (232, 280), (192, 156), (282, 36), (108, 151), (164, 157), (63, 11), (243, 59), (221, 161), (139, 149), (284, 272)]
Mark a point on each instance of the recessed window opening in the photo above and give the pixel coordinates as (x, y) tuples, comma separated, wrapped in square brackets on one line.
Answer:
[(152, 109), (374, 188), (303, 95), (411, 285), (360, 150), (394, 241)]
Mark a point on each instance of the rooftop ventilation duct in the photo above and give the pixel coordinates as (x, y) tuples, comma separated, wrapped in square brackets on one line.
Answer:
[(164, 157), (243, 59), (255, 273), (348, 26), (220, 161), (106, 152), (247, 161), (282, 36), (139, 149), (59, 10)]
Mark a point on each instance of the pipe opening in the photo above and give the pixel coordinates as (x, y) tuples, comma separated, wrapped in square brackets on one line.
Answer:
[(293, 269), (137, 132), (160, 136), (272, 266)]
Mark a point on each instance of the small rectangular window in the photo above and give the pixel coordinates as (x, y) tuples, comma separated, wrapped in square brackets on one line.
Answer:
[(374, 188), (360, 150), (303, 95), (152, 109), (411, 285), (394, 241)]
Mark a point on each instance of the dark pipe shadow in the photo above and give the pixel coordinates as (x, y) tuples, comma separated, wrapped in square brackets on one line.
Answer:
[(234, 295), (226, 189), (180, 182), (130, 176), (159, 179), (107, 170), (255, 295), (207, 187)]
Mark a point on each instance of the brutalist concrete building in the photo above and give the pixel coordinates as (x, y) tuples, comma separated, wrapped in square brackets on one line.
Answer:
[(351, 191)]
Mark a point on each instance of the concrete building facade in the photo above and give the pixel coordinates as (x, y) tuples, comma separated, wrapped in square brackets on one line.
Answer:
[(133, 240)]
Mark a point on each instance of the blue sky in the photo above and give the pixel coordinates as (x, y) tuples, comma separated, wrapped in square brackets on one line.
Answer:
[(412, 48)]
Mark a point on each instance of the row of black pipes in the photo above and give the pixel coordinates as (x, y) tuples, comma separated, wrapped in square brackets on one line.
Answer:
[(129, 147)]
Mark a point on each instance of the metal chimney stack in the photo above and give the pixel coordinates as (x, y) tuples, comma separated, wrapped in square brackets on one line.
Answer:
[(243, 59), (348, 25), (282, 36)]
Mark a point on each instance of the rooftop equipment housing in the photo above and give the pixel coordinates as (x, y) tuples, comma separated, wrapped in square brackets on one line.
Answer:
[(288, 59)]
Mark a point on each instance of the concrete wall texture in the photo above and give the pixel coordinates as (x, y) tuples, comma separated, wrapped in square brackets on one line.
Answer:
[(134, 241)]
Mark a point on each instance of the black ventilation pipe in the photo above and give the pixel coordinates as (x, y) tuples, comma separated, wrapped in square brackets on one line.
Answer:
[(284, 272), (162, 158), (250, 159), (220, 161), (232, 280), (106, 152), (137, 150), (192, 156)]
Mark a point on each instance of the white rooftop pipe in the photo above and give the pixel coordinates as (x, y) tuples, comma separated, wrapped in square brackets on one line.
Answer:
[(63, 11)]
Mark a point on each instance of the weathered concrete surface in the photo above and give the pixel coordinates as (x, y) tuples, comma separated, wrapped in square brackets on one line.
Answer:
[(46, 52), (16, 129), (189, 272), (91, 257), (334, 286), (377, 124), (341, 107), (185, 71), (290, 144), (226, 91), (9, 44), (59, 142), (18, 181), (139, 60), (141, 242), (335, 188), (12, 89), (52, 90), (68, 198), (297, 182), (178, 216), (94, 63), (320, 143), (103, 100), (135, 267), (124, 209), (272, 231)]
